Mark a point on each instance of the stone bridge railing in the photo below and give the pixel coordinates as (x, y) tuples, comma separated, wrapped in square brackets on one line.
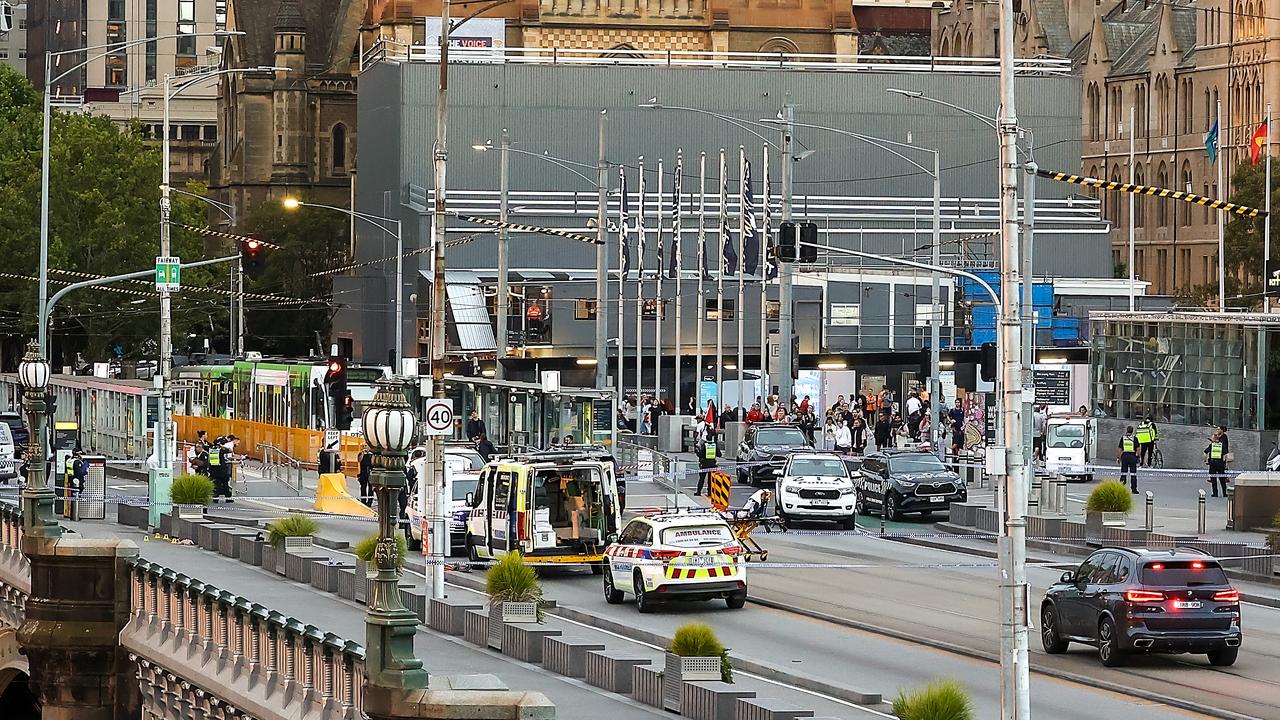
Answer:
[(15, 569), (273, 666)]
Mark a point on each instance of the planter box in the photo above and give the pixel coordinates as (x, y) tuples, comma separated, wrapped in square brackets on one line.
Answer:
[(298, 543), (475, 627), (447, 615), (613, 671), (297, 566), (189, 512), (567, 656), (646, 685), (251, 549), (324, 575), (1095, 522), (525, 641), (681, 669), (517, 612), (132, 515)]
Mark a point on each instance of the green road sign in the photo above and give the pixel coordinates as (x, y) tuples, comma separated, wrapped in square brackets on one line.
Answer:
[(168, 273)]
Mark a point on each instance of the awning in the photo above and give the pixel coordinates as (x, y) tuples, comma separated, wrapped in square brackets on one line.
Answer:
[(469, 313)]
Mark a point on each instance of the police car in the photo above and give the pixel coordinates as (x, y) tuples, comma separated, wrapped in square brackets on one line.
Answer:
[(817, 486), (675, 556)]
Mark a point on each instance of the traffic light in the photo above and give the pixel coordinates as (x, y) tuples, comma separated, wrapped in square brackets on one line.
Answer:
[(50, 404), (346, 410), (808, 249), (926, 363), (795, 357), (251, 255), (987, 361), (787, 238), (335, 381)]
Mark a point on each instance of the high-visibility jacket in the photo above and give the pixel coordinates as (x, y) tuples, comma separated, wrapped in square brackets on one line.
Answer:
[(215, 457), (709, 450), (1146, 433), (1215, 451), (1128, 444)]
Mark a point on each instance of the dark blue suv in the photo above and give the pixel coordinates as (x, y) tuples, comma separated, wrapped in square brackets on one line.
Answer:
[(1125, 601)]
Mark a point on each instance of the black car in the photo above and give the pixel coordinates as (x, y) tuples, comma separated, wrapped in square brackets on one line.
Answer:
[(896, 482), (17, 428), (764, 451), (1126, 601)]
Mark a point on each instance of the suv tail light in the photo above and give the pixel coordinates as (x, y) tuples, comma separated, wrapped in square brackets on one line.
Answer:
[(731, 549), (1143, 596), (664, 554), (1227, 596)]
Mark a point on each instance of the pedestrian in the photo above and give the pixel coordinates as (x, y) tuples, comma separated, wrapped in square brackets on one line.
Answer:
[(804, 405), (755, 415), (842, 438), (883, 431), (956, 414), (1083, 411), (913, 408), (925, 434), (957, 438), (1127, 454), (364, 467), (1146, 435), (475, 426), (220, 457), (1217, 455), (485, 448), (858, 437), (707, 452), (1039, 422)]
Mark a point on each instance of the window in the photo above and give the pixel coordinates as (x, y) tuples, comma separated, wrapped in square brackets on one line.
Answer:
[(339, 147), (1184, 209), (220, 15), (1162, 208), (1182, 573), (1139, 201), (1162, 268), (845, 315), (712, 311), (4, 54), (186, 27), (190, 132), (151, 46), (584, 310), (927, 314)]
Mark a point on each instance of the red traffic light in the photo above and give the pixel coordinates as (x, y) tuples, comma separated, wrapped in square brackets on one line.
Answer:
[(252, 245), (334, 366)]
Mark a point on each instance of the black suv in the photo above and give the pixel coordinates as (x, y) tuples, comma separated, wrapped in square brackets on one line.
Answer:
[(896, 482), (1126, 601), (765, 448)]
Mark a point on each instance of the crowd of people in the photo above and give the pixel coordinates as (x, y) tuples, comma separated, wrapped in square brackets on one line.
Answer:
[(215, 461)]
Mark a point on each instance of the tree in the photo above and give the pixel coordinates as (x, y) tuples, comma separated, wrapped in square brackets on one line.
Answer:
[(104, 219), (310, 240), (1244, 235)]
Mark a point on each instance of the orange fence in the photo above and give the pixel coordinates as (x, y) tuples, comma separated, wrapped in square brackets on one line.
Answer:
[(297, 443)]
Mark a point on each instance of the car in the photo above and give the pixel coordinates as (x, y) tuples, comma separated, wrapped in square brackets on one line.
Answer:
[(764, 449), (690, 555), (10, 459), (816, 486), (896, 482), (1126, 600), (18, 429), (464, 465)]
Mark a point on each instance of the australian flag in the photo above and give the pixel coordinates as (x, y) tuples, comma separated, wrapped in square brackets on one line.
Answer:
[(750, 234), (674, 270)]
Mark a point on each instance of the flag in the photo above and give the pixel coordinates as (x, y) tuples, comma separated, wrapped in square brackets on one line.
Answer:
[(711, 413), (771, 259), (675, 218), (702, 225), (1258, 142), (729, 266), (1211, 143), (750, 235), (657, 267), (624, 225), (643, 241)]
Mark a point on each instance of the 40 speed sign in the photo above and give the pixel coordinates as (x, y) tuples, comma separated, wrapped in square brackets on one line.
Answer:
[(438, 418)]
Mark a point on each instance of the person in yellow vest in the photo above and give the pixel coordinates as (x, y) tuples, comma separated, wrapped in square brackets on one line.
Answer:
[(706, 449), (1146, 436), (1215, 456), (1127, 454)]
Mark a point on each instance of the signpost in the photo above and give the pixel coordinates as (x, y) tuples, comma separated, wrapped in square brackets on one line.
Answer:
[(168, 273), (438, 418), (1053, 387), (1271, 280)]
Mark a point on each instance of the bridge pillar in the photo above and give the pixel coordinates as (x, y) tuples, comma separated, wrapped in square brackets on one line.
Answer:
[(475, 697), (78, 605)]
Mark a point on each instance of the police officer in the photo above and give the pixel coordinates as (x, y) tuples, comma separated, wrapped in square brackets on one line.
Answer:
[(1216, 457), (706, 450), (1146, 437), (1127, 454), (220, 469)]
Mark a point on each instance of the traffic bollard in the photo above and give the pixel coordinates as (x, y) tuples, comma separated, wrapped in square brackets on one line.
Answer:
[(1200, 510), (1151, 511), (882, 514), (1231, 501)]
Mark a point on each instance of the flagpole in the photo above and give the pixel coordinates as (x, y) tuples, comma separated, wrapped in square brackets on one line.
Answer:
[(739, 309), (764, 271), (1266, 221), (1222, 192), (622, 276), (657, 300), (702, 272), (640, 248), (720, 241), (1133, 273), (677, 229)]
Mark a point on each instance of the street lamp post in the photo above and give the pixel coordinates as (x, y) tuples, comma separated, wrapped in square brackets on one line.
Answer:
[(38, 518), (390, 429)]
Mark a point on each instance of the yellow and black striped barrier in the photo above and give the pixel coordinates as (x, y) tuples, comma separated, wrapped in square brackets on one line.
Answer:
[(529, 228), (1223, 205), (718, 491), (210, 232)]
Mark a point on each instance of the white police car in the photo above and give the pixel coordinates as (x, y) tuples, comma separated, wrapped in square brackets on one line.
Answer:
[(816, 486), (675, 556)]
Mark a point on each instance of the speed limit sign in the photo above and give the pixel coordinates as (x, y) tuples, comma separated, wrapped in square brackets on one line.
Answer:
[(438, 418)]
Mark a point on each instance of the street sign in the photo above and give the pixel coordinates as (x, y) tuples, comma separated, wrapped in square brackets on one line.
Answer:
[(168, 273), (438, 418), (1271, 280), (1053, 387), (332, 438)]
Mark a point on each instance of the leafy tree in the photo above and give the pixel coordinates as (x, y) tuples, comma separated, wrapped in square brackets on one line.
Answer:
[(1244, 236), (103, 219)]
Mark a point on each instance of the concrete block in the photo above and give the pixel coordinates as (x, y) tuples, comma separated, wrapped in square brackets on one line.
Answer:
[(437, 704), (768, 709), (297, 566), (646, 685), (416, 600), (347, 583), (524, 641), (324, 575), (132, 515), (166, 524), (250, 549), (362, 581), (712, 700), (207, 535), (567, 656), (613, 671), (446, 615), (475, 627), (229, 540), (987, 519)]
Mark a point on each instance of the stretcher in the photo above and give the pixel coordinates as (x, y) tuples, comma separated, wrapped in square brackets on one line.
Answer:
[(744, 524)]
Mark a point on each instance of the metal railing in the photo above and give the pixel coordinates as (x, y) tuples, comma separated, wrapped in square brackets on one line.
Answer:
[(387, 49), (279, 465), (315, 664)]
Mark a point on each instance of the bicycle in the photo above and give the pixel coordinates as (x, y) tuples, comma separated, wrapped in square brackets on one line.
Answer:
[(1156, 459)]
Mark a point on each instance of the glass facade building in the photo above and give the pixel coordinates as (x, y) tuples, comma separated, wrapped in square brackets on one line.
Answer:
[(1187, 368)]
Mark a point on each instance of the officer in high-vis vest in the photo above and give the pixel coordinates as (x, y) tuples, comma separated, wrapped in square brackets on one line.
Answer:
[(220, 470), (706, 450), (1216, 457), (1146, 436), (1127, 454)]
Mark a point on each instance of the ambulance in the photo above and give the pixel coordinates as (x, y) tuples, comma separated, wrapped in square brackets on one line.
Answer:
[(553, 507), (689, 555)]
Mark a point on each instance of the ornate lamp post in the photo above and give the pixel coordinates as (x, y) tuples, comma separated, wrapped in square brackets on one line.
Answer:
[(37, 497), (390, 429)]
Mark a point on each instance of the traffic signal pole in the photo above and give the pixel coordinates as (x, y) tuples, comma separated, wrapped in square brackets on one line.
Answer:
[(786, 350), (440, 164)]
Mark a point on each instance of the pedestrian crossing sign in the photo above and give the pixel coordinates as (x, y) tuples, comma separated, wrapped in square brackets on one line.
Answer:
[(719, 490)]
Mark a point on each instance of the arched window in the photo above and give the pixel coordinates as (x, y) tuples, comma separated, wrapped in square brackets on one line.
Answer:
[(1139, 201), (1184, 208), (1162, 208), (1095, 111), (339, 138), (1113, 198), (780, 45), (944, 44)]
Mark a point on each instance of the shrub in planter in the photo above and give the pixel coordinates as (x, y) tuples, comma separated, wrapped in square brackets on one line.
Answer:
[(290, 526), (699, 640), (191, 490), (510, 580), (1110, 496), (939, 700), (365, 549)]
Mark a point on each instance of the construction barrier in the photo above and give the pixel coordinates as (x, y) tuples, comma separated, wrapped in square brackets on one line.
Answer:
[(298, 443), (332, 497)]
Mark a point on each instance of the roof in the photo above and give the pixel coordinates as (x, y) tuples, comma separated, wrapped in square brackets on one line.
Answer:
[(683, 517), (1177, 553), (259, 20), (1052, 18), (1132, 30)]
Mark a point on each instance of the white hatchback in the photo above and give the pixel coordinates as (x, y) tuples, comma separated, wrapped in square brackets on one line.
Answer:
[(676, 556), (816, 486)]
